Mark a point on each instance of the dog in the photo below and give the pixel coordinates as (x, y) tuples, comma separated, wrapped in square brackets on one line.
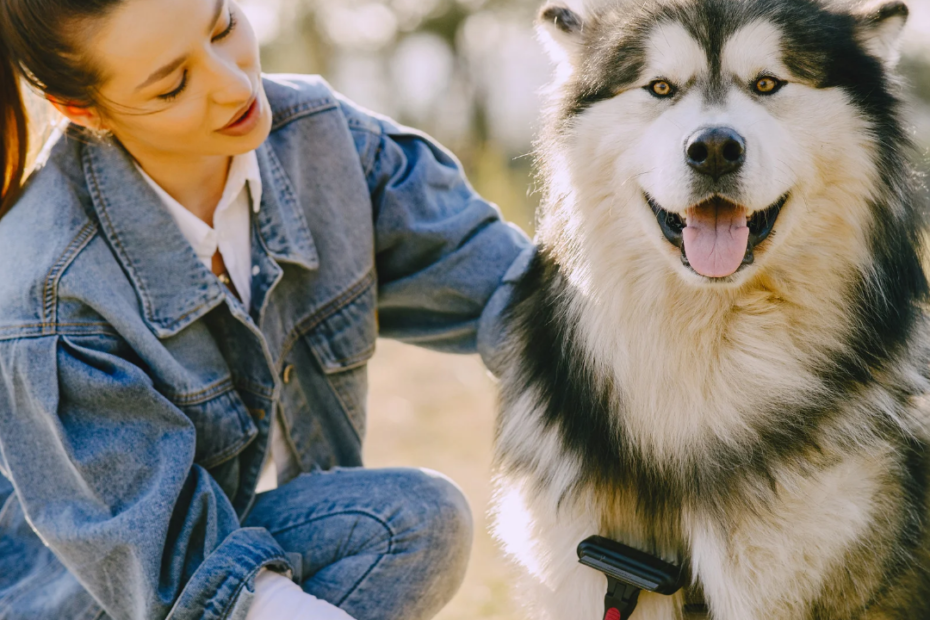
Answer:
[(720, 353)]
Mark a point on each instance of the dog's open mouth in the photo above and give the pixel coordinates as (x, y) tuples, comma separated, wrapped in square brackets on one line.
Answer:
[(717, 237)]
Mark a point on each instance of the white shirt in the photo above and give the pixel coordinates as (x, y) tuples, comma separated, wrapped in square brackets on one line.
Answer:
[(231, 232), (276, 596)]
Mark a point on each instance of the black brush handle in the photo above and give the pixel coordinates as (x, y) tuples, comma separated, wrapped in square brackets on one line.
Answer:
[(631, 566), (620, 601), (629, 571)]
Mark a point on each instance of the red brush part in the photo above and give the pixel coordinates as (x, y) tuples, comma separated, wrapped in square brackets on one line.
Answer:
[(612, 614)]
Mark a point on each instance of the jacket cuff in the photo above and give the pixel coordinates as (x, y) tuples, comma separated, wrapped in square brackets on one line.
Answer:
[(491, 332), (214, 589)]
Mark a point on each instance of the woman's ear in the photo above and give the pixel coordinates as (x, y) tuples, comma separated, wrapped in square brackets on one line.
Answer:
[(85, 116), (561, 30), (880, 28)]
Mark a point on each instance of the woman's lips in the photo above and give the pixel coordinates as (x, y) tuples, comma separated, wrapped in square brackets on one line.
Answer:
[(246, 121)]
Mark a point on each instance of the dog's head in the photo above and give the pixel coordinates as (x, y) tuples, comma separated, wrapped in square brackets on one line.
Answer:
[(713, 135)]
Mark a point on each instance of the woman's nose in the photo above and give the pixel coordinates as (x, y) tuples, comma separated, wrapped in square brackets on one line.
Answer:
[(232, 84)]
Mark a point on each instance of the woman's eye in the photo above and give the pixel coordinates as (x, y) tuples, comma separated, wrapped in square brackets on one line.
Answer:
[(229, 28), (177, 91), (767, 85), (662, 89)]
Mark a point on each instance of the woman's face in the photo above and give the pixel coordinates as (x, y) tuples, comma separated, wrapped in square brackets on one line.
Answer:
[(181, 77)]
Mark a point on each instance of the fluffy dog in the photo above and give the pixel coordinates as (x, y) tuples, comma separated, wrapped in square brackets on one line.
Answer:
[(720, 353)]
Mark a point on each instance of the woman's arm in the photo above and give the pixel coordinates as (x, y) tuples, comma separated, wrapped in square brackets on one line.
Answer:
[(103, 467), (443, 253)]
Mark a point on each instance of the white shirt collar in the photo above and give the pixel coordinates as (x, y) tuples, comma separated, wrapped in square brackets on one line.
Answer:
[(230, 234), (243, 171)]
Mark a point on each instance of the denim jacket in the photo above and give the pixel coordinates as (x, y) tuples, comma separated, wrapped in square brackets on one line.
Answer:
[(136, 392)]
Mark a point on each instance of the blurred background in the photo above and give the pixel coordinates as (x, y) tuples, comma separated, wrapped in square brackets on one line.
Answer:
[(469, 72)]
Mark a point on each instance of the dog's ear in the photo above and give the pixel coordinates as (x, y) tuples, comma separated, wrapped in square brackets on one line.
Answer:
[(880, 28), (561, 28)]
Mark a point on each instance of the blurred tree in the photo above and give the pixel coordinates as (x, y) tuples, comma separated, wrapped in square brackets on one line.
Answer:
[(425, 62)]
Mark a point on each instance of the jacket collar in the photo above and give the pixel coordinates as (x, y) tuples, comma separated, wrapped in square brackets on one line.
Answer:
[(174, 287), (281, 220)]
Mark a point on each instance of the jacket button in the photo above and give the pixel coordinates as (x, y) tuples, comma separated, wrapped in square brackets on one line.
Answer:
[(288, 370), (258, 414)]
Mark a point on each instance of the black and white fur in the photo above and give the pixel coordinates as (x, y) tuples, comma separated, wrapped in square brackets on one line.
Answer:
[(771, 428)]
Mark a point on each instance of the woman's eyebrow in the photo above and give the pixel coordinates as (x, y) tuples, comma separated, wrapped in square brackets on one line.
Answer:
[(168, 69), (162, 73)]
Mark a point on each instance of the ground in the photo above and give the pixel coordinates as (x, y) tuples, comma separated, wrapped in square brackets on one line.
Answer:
[(437, 411)]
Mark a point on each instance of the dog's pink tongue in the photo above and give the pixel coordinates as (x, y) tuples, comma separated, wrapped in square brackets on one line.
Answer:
[(716, 238)]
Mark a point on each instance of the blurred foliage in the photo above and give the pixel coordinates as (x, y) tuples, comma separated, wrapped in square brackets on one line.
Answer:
[(313, 37)]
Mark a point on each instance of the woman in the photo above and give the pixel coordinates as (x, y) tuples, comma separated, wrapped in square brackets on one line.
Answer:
[(192, 284)]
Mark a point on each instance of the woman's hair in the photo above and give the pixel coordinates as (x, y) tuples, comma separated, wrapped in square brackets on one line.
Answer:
[(38, 43)]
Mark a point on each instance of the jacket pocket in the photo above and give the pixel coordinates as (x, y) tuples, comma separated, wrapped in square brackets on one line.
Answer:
[(342, 345), (325, 380), (224, 426)]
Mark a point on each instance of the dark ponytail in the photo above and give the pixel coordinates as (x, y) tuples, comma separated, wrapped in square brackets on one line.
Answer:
[(13, 132), (38, 45)]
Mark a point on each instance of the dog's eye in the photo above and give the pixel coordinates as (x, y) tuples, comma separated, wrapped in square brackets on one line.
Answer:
[(662, 89), (767, 85)]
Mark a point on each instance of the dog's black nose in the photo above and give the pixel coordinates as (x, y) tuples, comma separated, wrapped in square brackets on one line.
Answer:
[(716, 151)]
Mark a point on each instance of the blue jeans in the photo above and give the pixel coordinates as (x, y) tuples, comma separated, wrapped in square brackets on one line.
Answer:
[(387, 544)]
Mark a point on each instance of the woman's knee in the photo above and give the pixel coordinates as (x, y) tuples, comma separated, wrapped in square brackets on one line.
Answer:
[(453, 516), (430, 536), (441, 528), (433, 503)]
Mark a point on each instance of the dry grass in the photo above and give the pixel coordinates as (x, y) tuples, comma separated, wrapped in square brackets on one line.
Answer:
[(437, 411)]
